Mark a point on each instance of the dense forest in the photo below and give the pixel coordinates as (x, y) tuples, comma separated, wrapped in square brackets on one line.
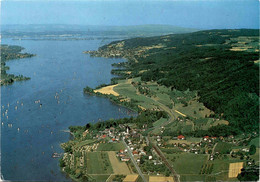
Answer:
[(221, 65), (9, 53)]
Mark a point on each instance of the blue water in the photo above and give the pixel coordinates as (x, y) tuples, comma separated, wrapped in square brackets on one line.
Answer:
[(58, 69)]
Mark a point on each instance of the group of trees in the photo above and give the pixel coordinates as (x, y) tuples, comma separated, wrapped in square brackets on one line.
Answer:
[(144, 118), (9, 53)]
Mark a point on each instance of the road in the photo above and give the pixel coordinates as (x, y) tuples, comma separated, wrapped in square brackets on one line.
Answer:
[(160, 153), (156, 148), (212, 153), (133, 160)]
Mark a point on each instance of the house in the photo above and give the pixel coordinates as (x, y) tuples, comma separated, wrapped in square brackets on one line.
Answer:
[(205, 138), (104, 136), (125, 159), (181, 137), (121, 155), (135, 152)]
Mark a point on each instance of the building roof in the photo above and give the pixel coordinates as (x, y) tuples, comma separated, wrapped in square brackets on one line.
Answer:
[(181, 136), (235, 169), (131, 178), (160, 179)]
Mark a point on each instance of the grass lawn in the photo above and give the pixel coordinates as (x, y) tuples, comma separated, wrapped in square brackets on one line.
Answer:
[(100, 178), (255, 142), (85, 142), (194, 109), (118, 166), (178, 141), (125, 88), (187, 163), (160, 122), (193, 177), (193, 139), (256, 155), (223, 147), (98, 163), (221, 168), (110, 147)]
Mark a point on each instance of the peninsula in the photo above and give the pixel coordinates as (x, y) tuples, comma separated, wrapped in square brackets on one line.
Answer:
[(197, 98), (10, 53)]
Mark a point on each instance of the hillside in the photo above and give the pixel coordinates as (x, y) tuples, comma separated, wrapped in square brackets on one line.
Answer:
[(220, 65)]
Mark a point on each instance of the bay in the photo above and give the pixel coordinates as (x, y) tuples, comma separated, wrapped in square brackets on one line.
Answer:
[(41, 109)]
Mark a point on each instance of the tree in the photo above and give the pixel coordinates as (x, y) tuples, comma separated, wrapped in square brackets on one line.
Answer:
[(88, 126), (252, 150), (62, 163), (249, 174)]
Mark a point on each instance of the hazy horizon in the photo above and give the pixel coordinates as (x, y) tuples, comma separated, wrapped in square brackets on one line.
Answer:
[(188, 14)]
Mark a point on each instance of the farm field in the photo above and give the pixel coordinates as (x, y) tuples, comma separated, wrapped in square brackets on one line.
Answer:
[(256, 155), (255, 142), (100, 178), (194, 109), (223, 148), (110, 146), (118, 166), (187, 163), (159, 122), (85, 142), (98, 163), (221, 168)]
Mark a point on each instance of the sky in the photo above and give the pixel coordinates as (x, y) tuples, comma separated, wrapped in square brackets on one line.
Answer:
[(201, 14)]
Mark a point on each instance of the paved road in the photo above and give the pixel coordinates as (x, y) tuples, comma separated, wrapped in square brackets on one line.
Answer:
[(133, 160)]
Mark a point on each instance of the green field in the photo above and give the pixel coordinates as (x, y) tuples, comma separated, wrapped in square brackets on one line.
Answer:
[(223, 148), (255, 142), (159, 122), (85, 142), (221, 168), (110, 146), (126, 89), (187, 163), (256, 155), (100, 178), (98, 163)]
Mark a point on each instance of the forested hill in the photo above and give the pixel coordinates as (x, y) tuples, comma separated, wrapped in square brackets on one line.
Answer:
[(222, 65)]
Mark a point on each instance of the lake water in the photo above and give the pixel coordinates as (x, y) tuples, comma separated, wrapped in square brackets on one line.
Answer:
[(30, 133)]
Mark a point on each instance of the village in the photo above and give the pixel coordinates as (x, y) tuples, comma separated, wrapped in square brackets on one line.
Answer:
[(152, 158)]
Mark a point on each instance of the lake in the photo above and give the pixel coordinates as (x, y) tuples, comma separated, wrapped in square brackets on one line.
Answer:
[(40, 109)]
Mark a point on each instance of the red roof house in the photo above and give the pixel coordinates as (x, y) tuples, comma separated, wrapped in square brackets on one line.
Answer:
[(181, 137)]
